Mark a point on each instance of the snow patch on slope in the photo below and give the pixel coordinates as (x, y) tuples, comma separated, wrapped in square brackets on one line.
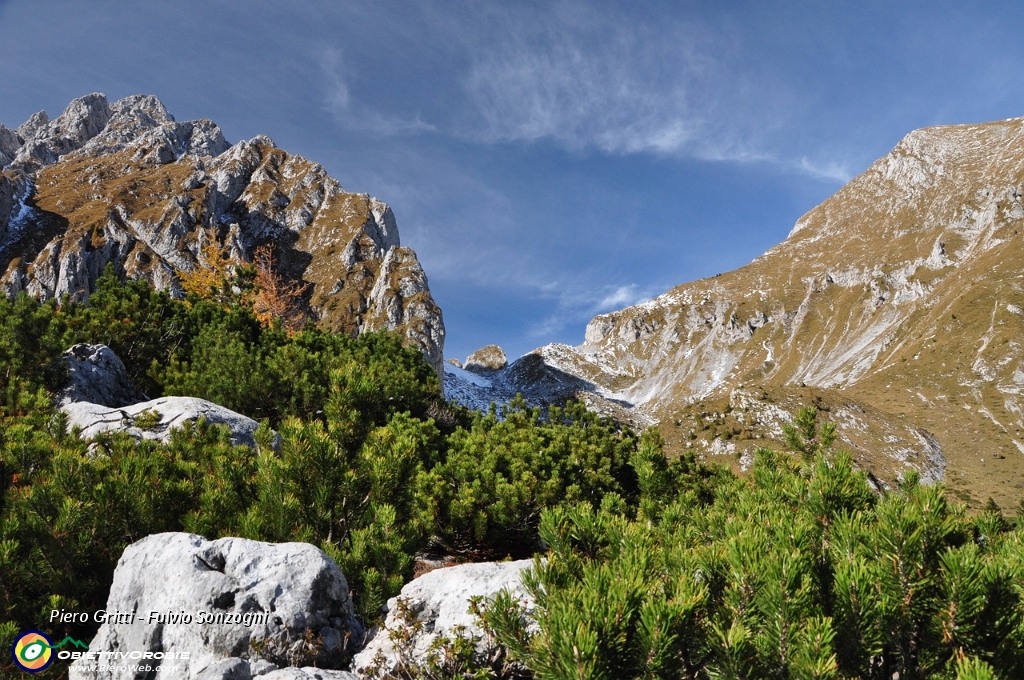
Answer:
[(21, 218), (469, 389)]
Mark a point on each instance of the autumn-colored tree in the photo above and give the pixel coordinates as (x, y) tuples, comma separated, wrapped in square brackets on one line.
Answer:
[(213, 277), (257, 285), (275, 296)]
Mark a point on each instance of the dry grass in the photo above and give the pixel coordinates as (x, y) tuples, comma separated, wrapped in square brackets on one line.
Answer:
[(947, 361)]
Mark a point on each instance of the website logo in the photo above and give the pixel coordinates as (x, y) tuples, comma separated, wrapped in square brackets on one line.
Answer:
[(32, 651)]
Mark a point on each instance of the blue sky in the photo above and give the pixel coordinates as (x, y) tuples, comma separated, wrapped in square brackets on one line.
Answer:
[(547, 160)]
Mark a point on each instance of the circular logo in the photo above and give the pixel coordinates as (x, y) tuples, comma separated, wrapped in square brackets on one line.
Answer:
[(32, 651)]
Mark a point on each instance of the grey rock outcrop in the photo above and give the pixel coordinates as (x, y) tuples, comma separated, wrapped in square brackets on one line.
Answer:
[(100, 397), (128, 185), (37, 120), (82, 120), (308, 673), (275, 606), (156, 419), (486, 360), (142, 126), (10, 142), (400, 301), (440, 599), (96, 375)]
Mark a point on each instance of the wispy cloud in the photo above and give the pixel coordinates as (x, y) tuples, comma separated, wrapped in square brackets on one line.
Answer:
[(577, 76), (583, 77), (354, 115), (337, 96), (578, 304), (623, 296), (834, 170)]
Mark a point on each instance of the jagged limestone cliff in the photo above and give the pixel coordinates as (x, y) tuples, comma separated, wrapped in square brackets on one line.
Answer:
[(896, 304), (126, 183)]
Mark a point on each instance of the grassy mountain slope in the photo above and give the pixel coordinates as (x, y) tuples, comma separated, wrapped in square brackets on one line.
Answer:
[(896, 305)]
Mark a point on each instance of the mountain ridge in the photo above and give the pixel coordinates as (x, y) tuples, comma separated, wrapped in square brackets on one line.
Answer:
[(898, 297), (127, 184)]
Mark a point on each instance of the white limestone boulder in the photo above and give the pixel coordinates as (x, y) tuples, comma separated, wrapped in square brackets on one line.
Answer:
[(97, 375), (273, 606), (155, 419), (308, 673), (100, 397), (440, 600)]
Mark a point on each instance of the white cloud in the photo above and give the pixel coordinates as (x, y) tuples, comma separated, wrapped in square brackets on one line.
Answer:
[(590, 77), (580, 77), (579, 304), (353, 115), (337, 89), (834, 170), (587, 77), (623, 296)]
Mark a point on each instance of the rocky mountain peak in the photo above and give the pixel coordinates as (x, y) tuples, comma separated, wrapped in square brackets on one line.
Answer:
[(10, 142), (486, 360), (82, 120), (894, 306), (129, 185), (27, 130)]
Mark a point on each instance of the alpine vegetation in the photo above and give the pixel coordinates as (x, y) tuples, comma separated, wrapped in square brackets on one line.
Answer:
[(224, 440)]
